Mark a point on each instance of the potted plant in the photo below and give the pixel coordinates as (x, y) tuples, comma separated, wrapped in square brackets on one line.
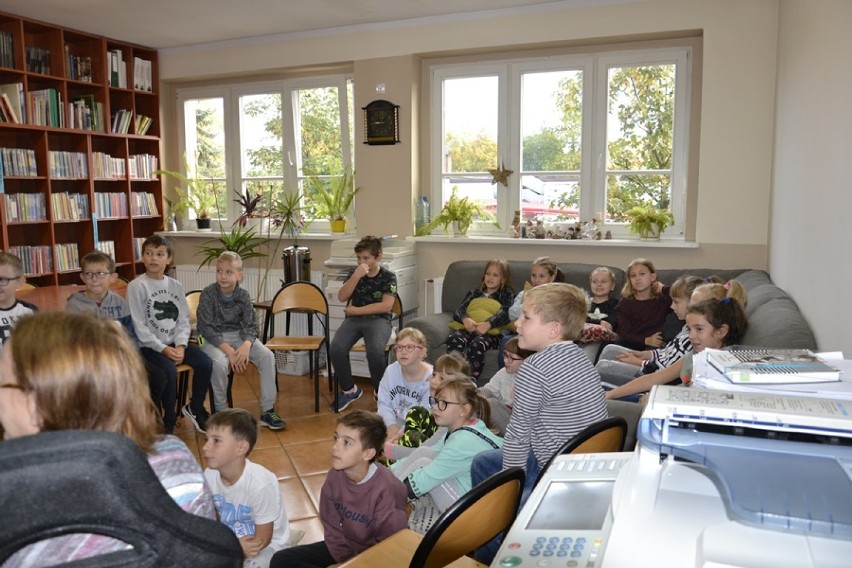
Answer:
[(244, 242), (332, 197), (649, 222), (197, 194), (458, 212)]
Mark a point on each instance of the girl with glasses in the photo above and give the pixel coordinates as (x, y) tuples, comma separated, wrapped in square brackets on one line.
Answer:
[(500, 390), (405, 383), (437, 476)]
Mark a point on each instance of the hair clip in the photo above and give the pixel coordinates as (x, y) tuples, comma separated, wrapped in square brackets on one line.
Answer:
[(726, 300)]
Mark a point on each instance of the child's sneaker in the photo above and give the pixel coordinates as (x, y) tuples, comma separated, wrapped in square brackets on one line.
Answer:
[(198, 419), (271, 420), (345, 399)]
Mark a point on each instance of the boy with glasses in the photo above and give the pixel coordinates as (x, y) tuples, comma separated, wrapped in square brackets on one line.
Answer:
[(11, 308), (98, 274), (500, 390)]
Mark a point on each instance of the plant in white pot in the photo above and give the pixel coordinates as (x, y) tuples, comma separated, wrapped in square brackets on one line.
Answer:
[(649, 222), (331, 197), (197, 194)]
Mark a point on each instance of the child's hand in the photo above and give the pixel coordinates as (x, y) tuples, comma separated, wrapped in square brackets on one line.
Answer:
[(605, 324), (239, 358), (482, 328), (174, 353), (469, 325), (361, 271), (251, 546), (394, 433), (655, 340), (631, 358)]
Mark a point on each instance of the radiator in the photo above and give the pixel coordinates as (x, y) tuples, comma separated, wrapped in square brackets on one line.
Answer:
[(194, 279)]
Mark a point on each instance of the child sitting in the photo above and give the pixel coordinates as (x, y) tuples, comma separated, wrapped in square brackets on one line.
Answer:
[(361, 502), (228, 323), (247, 495), (480, 316), (602, 304), (11, 308), (161, 321), (712, 324), (500, 390), (443, 471), (643, 307), (406, 382)]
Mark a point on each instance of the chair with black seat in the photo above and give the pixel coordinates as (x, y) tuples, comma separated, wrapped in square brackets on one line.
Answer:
[(303, 298), (93, 482), (478, 516), (605, 436), (396, 314)]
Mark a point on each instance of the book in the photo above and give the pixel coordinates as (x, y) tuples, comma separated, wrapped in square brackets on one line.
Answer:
[(744, 365)]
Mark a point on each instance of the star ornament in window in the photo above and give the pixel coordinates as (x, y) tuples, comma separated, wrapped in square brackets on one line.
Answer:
[(500, 175)]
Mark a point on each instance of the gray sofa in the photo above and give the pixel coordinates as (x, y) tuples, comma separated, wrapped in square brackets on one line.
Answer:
[(774, 319)]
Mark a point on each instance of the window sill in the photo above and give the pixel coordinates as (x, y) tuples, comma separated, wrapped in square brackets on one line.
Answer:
[(625, 243), (212, 234)]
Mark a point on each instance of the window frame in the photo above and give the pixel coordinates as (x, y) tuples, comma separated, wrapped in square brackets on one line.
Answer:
[(291, 140), (594, 65)]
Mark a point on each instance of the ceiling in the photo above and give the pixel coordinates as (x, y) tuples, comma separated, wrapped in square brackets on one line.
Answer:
[(177, 23)]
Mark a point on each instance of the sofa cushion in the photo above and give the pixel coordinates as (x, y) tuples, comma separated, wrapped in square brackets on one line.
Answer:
[(760, 295), (779, 323)]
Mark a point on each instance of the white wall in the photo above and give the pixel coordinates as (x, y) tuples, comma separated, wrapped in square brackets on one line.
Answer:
[(811, 210)]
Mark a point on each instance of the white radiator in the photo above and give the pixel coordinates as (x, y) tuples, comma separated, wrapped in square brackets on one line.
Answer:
[(194, 279)]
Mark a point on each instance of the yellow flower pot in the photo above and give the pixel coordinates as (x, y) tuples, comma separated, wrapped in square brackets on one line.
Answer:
[(338, 226)]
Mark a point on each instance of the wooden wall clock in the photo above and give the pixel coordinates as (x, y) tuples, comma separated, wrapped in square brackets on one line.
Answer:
[(381, 123)]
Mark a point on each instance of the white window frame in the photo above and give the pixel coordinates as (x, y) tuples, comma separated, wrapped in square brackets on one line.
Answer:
[(291, 142), (593, 157)]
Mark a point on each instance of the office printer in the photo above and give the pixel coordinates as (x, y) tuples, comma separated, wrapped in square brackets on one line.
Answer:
[(724, 479)]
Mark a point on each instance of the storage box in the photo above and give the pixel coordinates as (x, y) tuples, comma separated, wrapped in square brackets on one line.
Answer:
[(296, 362)]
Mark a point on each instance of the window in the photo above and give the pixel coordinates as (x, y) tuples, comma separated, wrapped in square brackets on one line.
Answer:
[(265, 138), (589, 135)]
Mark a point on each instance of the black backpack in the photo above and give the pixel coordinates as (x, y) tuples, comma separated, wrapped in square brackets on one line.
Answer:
[(56, 483)]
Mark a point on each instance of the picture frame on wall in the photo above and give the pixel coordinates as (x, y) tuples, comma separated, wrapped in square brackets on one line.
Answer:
[(381, 123)]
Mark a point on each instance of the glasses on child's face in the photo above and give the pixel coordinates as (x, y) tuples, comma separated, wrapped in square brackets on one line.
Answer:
[(440, 404), (405, 348), (95, 275), (510, 357), (4, 281)]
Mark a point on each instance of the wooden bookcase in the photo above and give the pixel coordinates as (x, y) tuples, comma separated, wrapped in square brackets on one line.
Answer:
[(71, 180)]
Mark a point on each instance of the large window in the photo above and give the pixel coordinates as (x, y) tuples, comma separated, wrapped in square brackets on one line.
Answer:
[(265, 138), (587, 136)]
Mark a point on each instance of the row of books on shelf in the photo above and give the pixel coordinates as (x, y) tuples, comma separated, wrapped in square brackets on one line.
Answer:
[(13, 103), (77, 67), (110, 205), (70, 206), (85, 113), (116, 69), (36, 259), (105, 166), (62, 164), (7, 50), (46, 108), (38, 59), (143, 203), (106, 247), (142, 75), (20, 162), (25, 207), (143, 166), (137, 248), (123, 118), (67, 256)]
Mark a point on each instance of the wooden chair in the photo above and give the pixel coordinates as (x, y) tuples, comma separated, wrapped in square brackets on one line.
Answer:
[(184, 371), (605, 436), (396, 310), (304, 298), (478, 516), (27, 286)]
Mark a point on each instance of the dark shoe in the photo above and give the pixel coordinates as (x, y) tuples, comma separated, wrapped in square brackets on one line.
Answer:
[(198, 419), (271, 420), (345, 399)]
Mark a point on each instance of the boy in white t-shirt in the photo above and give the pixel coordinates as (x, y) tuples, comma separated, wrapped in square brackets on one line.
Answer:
[(247, 496)]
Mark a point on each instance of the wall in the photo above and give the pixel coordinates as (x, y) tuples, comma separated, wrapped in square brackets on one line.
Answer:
[(812, 197), (735, 142)]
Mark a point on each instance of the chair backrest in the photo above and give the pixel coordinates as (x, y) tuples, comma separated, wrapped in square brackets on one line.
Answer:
[(301, 296), (27, 286), (478, 516), (396, 310), (192, 299), (93, 482), (605, 436)]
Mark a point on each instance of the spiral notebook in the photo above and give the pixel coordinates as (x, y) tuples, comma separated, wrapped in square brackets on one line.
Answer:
[(743, 365)]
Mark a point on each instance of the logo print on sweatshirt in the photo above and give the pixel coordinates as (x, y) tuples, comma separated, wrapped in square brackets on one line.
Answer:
[(166, 310)]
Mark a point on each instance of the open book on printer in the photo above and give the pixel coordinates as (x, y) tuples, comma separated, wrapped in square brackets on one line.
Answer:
[(755, 365)]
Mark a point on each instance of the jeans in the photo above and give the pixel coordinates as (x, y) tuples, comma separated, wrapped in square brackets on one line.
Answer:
[(202, 367), (376, 330), (314, 555), (259, 356)]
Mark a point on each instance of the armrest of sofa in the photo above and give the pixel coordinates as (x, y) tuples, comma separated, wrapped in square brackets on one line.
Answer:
[(436, 328)]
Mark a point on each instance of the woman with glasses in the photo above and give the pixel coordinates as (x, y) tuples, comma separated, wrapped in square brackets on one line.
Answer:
[(442, 471), (500, 390), (405, 383)]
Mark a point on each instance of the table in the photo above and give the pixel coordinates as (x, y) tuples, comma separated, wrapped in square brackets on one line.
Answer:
[(397, 550), (54, 297)]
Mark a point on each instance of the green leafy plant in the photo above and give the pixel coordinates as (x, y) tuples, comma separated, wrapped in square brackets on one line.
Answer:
[(286, 215), (331, 197), (459, 210), (649, 222), (244, 242), (197, 193)]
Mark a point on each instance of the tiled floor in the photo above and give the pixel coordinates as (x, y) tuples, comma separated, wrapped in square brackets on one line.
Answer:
[(300, 455)]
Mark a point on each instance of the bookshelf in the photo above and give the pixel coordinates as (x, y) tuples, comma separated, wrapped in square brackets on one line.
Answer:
[(79, 141)]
